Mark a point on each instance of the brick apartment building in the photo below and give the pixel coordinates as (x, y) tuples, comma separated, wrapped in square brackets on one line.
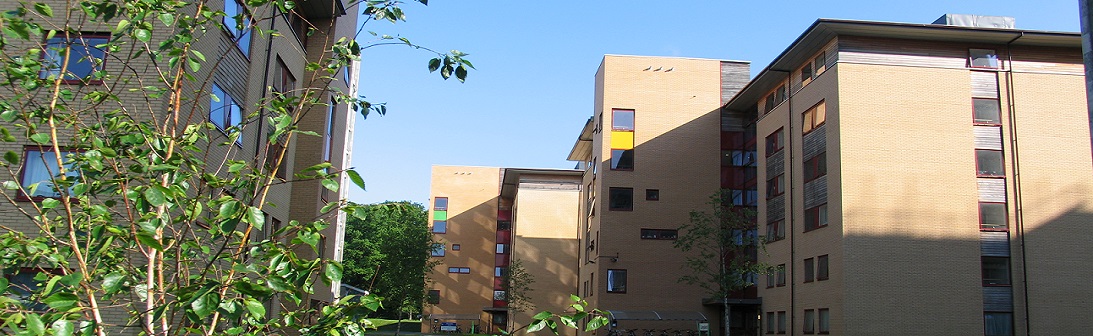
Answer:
[(917, 179), (248, 65)]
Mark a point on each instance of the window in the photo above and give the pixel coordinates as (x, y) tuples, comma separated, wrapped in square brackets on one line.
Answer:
[(41, 168), (816, 167), (775, 186), (652, 194), (775, 142), (770, 323), (622, 159), (659, 234), (621, 199), (224, 111), (774, 98), (283, 80), (300, 28), (776, 230), (781, 274), (738, 158), (22, 283), (499, 295), (982, 58), (816, 217), (504, 225), (770, 277), (328, 136), (997, 324), (987, 111), (825, 320), (810, 269), (500, 248), (813, 118), (498, 272), (989, 163), (434, 296), (455, 247), (821, 268), (996, 271), (806, 73), (810, 321), (440, 226), (273, 153), (616, 281), (84, 55), (460, 270), (438, 250), (743, 197), (440, 203), (992, 216), (237, 22), (818, 65), (622, 120), (781, 322)]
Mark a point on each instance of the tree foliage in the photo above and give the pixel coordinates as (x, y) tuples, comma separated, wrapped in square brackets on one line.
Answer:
[(146, 215), (517, 284), (387, 251)]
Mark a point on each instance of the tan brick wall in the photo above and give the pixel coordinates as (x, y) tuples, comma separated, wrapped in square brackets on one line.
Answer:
[(545, 240)]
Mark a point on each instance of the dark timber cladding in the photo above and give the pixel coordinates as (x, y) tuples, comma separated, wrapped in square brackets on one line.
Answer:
[(734, 75)]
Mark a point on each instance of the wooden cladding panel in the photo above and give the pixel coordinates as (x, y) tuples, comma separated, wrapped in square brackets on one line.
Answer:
[(994, 243), (984, 84), (992, 190), (988, 137), (776, 208), (816, 192), (776, 164), (902, 52), (998, 299), (815, 142)]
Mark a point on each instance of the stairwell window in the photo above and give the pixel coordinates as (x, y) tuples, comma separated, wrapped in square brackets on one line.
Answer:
[(776, 230), (622, 139), (988, 163), (983, 58), (776, 186), (816, 167), (988, 111), (993, 217)]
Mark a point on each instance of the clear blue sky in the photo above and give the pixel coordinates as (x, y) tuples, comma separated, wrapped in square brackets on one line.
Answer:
[(532, 92)]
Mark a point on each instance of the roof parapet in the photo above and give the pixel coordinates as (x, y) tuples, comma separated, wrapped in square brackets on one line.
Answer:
[(978, 21)]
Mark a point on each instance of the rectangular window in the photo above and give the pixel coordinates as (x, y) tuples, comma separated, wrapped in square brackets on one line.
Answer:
[(806, 73), (440, 226), (821, 268), (993, 216), (809, 321), (816, 217), (622, 120), (652, 194), (818, 65), (997, 324), (22, 283), (770, 323), (224, 111), (283, 80), (659, 234), (273, 153), (465, 270), (775, 186), (810, 269), (434, 296), (780, 94), (238, 24), (621, 199), (743, 197), (781, 269), (83, 53), (622, 159), (498, 272), (440, 203), (982, 58), (500, 248), (455, 247), (438, 250), (776, 230), (39, 171), (775, 142), (996, 271), (770, 277), (816, 167), (814, 117), (328, 136), (738, 158), (781, 322), (824, 320), (989, 163), (616, 281), (453, 269), (987, 111)]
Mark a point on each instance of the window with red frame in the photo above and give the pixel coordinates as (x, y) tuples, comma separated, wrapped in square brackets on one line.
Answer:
[(987, 111), (996, 271), (989, 163), (983, 58), (40, 170), (816, 167), (775, 186), (814, 117), (816, 217), (821, 268), (440, 203), (82, 51), (810, 269), (993, 216), (775, 142), (776, 230), (781, 275)]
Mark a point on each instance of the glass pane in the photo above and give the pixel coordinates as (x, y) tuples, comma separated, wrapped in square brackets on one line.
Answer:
[(997, 324), (622, 159), (825, 321), (218, 108), (616, 280), (622, 120), (810, 270), (820, 114), (989, 162), (440, 226), (983, 58), (821, 268), (621, 199), (810, 321), (440, 203), (987, 111), (996, 271), (992, 216)]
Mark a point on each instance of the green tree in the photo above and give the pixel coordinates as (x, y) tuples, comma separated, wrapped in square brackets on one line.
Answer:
[(517, 284), (387, 248), (724, 242), (141, 211)]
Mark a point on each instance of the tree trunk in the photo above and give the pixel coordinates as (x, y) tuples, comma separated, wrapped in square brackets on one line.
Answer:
[(398, 323), (728, 315)]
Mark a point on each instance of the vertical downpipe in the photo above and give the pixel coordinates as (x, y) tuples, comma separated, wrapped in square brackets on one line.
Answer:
[(1016, 167), (265, 83), (789, 183)]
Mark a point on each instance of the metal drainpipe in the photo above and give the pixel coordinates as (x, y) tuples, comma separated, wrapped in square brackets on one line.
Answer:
[(1016, 166), (788, 183), (265, 83)]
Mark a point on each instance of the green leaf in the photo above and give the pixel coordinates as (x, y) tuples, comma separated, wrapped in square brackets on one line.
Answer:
[(537, 326), (333, 271), (143, 35), (41, 138), (329, 206), (50, 203), (11, 185), (168, 19), (543, 315), (62, 328), (461, 73), (596, 323), (113, 282), (568, 321), (434, 64), (43, 9), (256, 309), (574, 298), (205, 304), (256, 217), (194, 64), (72, 279), (147, 239), (35, 325), (356, 178), (229, 209), (12, 158), (62, 301), (155, 196), (330, 184)]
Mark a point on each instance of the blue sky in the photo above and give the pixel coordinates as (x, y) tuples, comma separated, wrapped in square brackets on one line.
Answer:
[(532, 90)]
